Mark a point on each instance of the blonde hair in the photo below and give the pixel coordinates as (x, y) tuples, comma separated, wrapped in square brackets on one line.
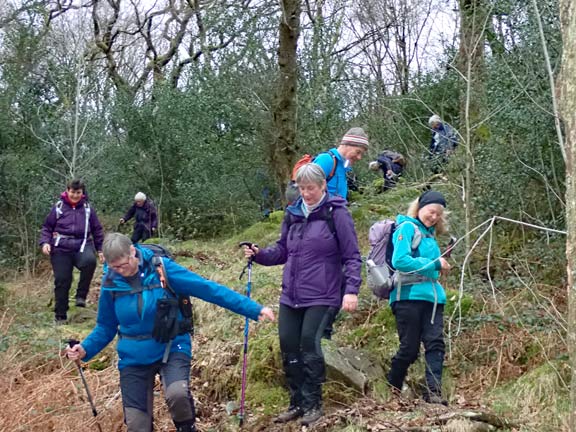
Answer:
[(441, 227)]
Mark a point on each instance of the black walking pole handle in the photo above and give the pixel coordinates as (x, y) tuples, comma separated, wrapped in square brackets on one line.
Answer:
[(450, 246), (250, 259), (249, 244), (72, 342)]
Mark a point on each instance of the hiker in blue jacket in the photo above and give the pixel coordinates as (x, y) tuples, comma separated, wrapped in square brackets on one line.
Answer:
[(350, 150), (131, 288), (317, 239), (418, 299)]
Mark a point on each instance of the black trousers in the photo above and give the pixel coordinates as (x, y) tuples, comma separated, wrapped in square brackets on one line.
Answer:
[(413, 321), (300, 333), (63, 265), (140, 233)]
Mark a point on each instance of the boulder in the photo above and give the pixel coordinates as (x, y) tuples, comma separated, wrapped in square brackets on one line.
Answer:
[(353, 367)]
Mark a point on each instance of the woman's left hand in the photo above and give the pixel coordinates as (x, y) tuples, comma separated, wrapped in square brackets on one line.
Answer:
[(350, 302), (101, 257), (266, 314)]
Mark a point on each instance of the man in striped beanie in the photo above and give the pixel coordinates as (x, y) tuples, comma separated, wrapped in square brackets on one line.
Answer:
[(337, 161)]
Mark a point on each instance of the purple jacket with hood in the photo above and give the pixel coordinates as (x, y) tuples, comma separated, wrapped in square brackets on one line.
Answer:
[(70, 227), (313, 274)]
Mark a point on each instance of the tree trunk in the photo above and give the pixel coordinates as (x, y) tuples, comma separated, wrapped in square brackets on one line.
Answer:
[(567, 93), (283, 151), (472, 107)]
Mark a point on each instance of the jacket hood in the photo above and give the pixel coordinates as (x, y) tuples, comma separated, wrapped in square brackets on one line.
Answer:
[(64, 197), (403, 218), (144, 254), (335, 201)]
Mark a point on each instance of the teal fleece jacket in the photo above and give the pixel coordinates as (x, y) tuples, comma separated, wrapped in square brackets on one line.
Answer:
[(424, 261)]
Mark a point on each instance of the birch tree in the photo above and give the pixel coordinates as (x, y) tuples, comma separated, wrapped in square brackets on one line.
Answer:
[(567, 91)]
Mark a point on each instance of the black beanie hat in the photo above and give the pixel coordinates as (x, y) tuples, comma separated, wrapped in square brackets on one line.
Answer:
[(431, 197)]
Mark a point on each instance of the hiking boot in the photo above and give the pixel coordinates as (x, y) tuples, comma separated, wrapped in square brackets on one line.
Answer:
[(311, 416), (186, 428), (291, 414), (434, 398), (60, 320), (80, 302)]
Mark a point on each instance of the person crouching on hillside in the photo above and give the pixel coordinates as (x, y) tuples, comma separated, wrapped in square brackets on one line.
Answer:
[(130, 298), (418, 299), (317, 238)]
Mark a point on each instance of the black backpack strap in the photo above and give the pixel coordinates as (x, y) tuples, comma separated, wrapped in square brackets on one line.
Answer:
[(184, 303)]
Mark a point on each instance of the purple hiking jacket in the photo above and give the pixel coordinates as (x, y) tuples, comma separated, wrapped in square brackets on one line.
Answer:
[(313, 274), (145, 215), (70, 225)]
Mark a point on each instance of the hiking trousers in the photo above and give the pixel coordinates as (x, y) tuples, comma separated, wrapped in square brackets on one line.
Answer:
[(137, 386), (300, 331), (141, 233), (63, 265), (413, 321)]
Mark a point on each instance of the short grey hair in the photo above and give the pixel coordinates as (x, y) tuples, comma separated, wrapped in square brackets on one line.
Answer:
[(434, 119), (116, 246), (310, 173)]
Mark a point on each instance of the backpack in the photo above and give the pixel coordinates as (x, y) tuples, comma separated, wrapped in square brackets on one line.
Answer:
[(380, 271), (395, 157), (292, 193), (307, 158)]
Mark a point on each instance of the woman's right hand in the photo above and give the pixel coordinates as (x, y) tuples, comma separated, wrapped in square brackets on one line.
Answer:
[(76, 352), (249, 252), (46, 249), (445, 266)]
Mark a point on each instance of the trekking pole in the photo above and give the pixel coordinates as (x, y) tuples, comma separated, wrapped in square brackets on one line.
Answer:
[(246, 330), (71, 343), (450, 246)]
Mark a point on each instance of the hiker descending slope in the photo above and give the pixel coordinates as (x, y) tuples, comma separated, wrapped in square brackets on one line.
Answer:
[(317, 238), (145, 218), (418, 299), (139, 303), (442, 144), (350, 150), (71, 235), (335, 163)]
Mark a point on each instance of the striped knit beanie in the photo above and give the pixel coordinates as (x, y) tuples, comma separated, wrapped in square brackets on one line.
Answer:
[(355, 137)]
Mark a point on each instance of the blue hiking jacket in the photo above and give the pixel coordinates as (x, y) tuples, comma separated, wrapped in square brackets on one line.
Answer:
[(133, 314), (337, 186), (423, 261)]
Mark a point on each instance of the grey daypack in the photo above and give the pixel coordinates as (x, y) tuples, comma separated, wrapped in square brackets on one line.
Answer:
[(380, 271)]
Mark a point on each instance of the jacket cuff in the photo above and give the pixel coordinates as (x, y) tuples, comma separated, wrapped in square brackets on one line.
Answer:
[(438, 264)]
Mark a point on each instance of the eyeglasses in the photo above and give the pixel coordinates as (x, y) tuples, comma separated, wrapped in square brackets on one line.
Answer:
[(120, 266)]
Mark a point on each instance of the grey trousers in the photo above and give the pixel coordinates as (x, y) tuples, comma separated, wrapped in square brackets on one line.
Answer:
[(137, 386)]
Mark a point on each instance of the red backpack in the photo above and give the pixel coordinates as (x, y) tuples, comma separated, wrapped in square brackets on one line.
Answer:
[(306, 159)]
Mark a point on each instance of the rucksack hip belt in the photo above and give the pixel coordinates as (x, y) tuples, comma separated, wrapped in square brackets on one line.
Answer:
[(409, 279), (135, 337)]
